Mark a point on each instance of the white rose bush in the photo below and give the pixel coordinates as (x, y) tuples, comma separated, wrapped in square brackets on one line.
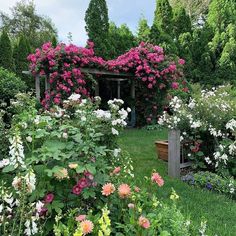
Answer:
[(208, 128)]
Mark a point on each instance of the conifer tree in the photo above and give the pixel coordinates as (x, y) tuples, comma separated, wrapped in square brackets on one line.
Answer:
[(143, 32), (163, 16), (21, 51), (181, 21), (97, 25), (6, 60)]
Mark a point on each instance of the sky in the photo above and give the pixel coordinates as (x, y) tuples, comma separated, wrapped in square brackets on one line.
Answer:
[(68, 15)]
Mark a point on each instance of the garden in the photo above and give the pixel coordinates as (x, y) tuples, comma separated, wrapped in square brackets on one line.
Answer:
[(77, 154)]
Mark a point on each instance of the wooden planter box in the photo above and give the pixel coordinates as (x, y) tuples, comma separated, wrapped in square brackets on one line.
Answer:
[(162, 149)]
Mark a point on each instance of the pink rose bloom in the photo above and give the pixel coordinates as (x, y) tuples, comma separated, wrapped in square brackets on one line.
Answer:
[(157, 179), (150, 86), (116, 170), (83, 183), (144, 222), (76, 190), (137, 189), (49, 198), (181, 61), (149, 119), (80, 218), (175, 85)]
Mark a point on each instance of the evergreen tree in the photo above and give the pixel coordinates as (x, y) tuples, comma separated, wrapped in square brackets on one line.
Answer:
[(6, 60), (97, 25), (143, 30), (21, 51), (161, 38), (163, 16), (181, 21), (120, 40), (221, 14), (54, 41)]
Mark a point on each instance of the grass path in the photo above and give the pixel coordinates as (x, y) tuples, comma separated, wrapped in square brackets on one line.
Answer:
[(218, 210)]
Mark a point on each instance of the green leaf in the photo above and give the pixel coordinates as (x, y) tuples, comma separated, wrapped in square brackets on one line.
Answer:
[(91, 169), (8, 168), (80, 169)]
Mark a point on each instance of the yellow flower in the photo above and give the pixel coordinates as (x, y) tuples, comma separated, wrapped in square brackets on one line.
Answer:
[(105, 223), (73, 165), (174, 196)]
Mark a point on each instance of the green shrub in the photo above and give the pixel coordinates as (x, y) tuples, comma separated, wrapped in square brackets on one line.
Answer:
[(10, 85)]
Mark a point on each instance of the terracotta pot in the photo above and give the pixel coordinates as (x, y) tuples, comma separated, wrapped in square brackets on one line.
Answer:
[(162, 149)]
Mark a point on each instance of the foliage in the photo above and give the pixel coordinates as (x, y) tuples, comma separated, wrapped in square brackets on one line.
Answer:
[(10, 85), (143, 31), (25, 21), (221, 14), (181, 21), (212, 182), (138, 213), (207, 127), (121, 39), (6, 60), (97, 26), (194, 8), (21, 51), (163, 16), (69, 152)]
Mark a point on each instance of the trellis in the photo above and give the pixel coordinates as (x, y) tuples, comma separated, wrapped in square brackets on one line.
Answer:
[(108, 75)]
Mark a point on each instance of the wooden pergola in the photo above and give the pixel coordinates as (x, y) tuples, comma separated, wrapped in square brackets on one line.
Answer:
[(108, 75)]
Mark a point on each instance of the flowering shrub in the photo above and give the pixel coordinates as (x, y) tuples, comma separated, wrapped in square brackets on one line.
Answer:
[(207, 127), (154, 74), (127, 210), (62, 67), (69, 151), (212, 182)]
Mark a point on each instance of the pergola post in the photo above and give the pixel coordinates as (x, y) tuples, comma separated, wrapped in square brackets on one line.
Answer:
[(133, 113), (37, 87), (174, 153), (47, 84), (97, 88), (118, 89)]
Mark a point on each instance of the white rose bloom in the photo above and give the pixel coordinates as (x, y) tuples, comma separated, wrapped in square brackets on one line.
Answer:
[(128, 109), (83, 118), (74, 97), (116, 152), (29, 139), (114, 131)]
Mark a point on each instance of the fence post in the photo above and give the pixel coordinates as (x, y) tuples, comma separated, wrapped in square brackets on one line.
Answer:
[(174, 153)]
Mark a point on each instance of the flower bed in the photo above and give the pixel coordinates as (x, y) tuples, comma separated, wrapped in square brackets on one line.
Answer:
[(66, 175), (207, 121), (212, 182)]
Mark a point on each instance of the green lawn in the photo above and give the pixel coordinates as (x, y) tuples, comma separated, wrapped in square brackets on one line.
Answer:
[(218, 210)]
